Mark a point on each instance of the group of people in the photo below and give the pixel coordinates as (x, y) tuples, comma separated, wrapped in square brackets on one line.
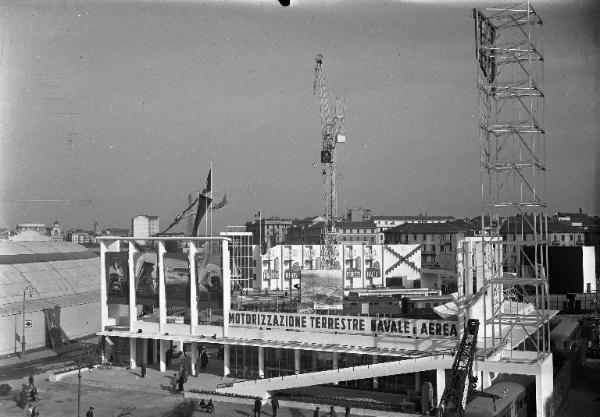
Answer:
[(202, 361), (332, 412), (178, 379), (33, 396), (316, 413)]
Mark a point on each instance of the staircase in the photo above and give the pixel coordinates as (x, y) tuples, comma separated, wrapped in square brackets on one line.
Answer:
[(261, 387)]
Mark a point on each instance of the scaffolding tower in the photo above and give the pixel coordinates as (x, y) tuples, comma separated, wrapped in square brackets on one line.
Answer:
[(509, 59)]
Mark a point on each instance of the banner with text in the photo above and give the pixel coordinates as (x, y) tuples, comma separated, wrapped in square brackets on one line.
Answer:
[(413, 328)]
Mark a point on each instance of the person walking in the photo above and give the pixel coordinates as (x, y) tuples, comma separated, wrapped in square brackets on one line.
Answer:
[(204, 360), (257, 406), (29, 411), (143, 369), (275, 405), (174, 383), (184, 373), (347, 409), (90, 412), (331, 412), (31, 380), (35, 412), (316, 412)]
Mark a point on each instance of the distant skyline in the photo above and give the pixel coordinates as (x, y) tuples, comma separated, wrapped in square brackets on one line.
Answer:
[(127, 103)]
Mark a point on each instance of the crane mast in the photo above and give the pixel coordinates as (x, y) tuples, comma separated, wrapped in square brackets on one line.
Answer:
[(454, 398), (332, 121)]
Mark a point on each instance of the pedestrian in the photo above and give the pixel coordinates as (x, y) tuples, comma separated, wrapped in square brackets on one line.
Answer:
[(332, 412), (143, 369), (316, 412), (173, 383), (257, 406), (180, 383), (275, 405), (169, 356), (90, 412), (34, 394), (197, 368), (31, 380), (35, 412), (184, 373), (347, 409), (29, 411), (204, 359)]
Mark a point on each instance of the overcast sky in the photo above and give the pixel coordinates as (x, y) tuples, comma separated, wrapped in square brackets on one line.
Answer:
[(127, 103)]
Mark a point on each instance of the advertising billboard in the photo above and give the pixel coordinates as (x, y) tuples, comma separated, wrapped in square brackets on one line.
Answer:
[(177, 279), (209, 280), (117, 277), (322, 289), (146, 278)]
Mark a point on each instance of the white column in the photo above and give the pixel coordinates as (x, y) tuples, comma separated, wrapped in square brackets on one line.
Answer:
[(162, 363), (544, 386), (145, 351), (296, 361), (103, 293), (418, 382), (132, 352), (376, 360), (226, 290), (440, 381), (193, 290), (334, 360), (154, 350), (194, 355), (226, 369), (162, 295), (132, 305), (261, 362)]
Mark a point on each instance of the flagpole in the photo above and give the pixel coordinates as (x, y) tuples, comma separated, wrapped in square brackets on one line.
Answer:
[(211, 197)]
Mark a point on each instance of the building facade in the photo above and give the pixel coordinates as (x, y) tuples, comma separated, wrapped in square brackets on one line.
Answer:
[(145, 226), (439, 242), (272, 350), (272, 230)]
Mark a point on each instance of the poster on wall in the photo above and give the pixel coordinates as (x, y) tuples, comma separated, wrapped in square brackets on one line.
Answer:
[(177, 279), (146, 278), (117, 277), (322, 289), (209, 280)]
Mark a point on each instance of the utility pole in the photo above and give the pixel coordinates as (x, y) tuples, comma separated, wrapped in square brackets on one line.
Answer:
[(30, 289)]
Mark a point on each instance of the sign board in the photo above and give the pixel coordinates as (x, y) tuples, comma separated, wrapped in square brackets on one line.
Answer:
[(28, 324), (412, 328)]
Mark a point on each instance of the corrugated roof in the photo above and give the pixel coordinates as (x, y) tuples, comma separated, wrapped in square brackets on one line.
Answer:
[(59, 272)]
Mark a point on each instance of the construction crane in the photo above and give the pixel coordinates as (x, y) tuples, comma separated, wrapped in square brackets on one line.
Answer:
[(332, 128), (454, 398)]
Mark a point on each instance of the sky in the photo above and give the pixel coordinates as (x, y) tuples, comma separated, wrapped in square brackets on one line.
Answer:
[(120, 107)]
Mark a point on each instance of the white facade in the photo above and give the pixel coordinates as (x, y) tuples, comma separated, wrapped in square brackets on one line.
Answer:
[(362, 266), (145, 226)]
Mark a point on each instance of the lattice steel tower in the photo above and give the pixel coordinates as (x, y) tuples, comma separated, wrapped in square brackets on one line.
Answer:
[(511, 103), (332, 125)]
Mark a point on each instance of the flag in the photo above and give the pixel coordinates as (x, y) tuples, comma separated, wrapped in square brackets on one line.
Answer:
[(208, 186), (203, 203), (221, 204), (258, 214)]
